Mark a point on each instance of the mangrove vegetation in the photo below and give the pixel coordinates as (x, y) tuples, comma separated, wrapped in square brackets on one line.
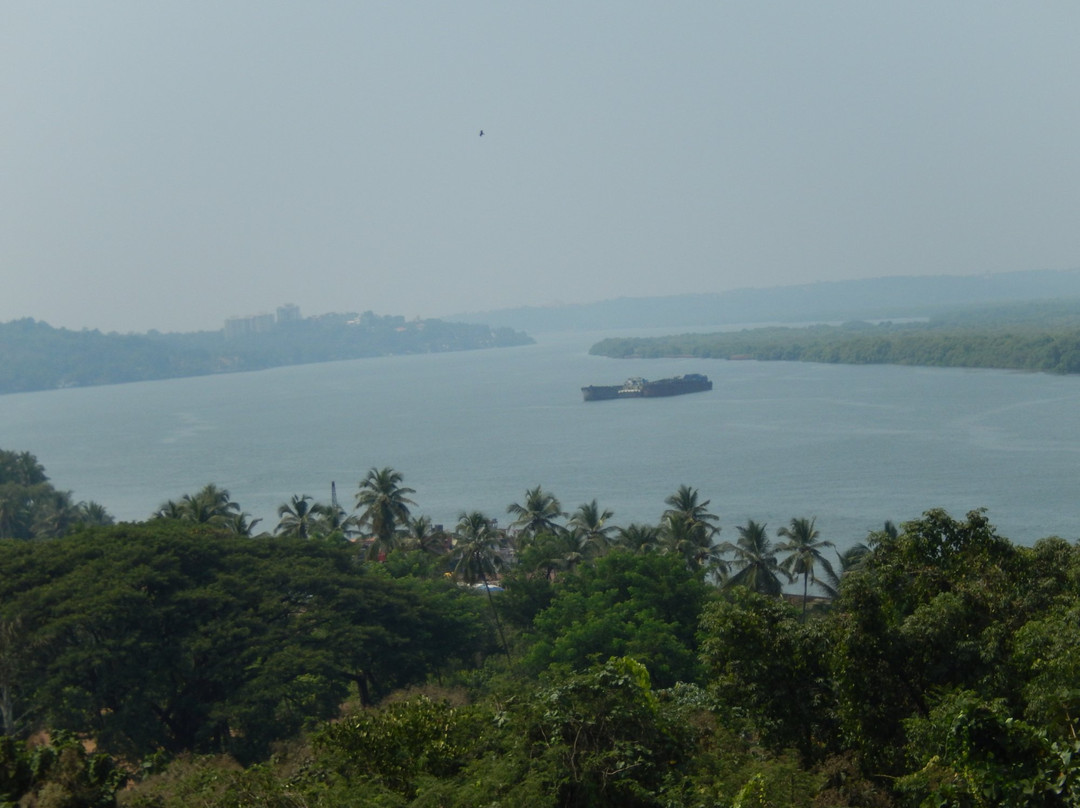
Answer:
[(1033, 337)]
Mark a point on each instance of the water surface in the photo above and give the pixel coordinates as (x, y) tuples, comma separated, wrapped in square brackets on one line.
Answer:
[(852, 446)]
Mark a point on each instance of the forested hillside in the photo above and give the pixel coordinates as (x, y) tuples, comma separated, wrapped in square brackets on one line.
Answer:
[(363, 657), (1039, 337), (36, 356)]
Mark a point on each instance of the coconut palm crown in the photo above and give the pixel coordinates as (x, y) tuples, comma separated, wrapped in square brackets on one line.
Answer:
[(296, 517), (384, 505), (538, 514), (803, 550), (684, 503), (755, 561)]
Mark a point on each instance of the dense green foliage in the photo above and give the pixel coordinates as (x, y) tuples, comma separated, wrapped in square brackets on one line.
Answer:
[(643, 606), (57, 772), (36, 356), (1039, 338), (164, 636), (642, 666)]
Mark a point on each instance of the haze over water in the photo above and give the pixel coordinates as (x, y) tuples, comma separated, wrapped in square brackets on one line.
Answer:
[(852, 446)]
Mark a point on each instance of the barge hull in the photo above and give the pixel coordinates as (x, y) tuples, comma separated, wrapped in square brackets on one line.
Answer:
[(643, 388)]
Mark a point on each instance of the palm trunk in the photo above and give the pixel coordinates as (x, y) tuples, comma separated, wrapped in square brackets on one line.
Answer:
[(495, 614), (805, 581)]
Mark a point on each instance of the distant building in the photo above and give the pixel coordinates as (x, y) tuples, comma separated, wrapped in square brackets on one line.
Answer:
[(245, 326), (237, 327), (289, 313), (261, 323)]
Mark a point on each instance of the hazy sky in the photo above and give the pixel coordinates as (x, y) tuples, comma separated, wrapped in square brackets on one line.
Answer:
[(166, 165)]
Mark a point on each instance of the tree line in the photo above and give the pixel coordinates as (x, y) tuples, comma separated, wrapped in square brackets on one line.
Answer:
[(540, 538), (935, 344), (356, 658), (36, 356)]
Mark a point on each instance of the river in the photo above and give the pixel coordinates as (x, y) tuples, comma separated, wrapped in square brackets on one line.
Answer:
[(851, 446)]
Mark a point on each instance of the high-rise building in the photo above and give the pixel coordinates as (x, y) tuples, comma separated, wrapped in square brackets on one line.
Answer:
[(288, 313), (244, 326)]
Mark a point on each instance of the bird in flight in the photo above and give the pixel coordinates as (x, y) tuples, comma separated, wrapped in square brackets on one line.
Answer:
[(481, 133)]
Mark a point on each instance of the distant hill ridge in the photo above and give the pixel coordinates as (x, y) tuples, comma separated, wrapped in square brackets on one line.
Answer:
[(874, 298)]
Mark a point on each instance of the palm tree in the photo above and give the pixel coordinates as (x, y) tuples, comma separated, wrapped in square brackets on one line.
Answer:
[(209, 505), (638, 538), (685, 502), (385, 505), (590, 523), (53, 512), (852, 559), (170, 509), (889, 533), (687, 515), (572, 548), (477, 553), (238, 523), (332, 522), (476, 548), (298, 518), (682, 535), (803, 552), (755, 561), (92, 513), (422, 535), (21, 468), (544, 552), (538, 514)]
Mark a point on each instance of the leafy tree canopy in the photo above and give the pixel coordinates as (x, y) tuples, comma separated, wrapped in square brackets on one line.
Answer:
[(181, 637), (642, 606)]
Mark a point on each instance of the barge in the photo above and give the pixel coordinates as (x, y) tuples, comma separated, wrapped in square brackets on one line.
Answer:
[(637, 387)]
